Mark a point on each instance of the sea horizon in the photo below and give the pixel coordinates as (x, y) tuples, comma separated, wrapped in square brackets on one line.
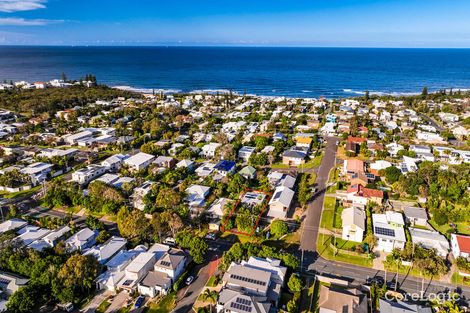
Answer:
[(309, 72)]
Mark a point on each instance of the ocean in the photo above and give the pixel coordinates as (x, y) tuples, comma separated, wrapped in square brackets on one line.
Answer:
[(294, 72)]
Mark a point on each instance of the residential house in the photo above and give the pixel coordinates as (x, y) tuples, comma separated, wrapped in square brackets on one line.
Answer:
[(208, 151), (85, 175), (29, 234), (196, 195), (186, 163), (341, 300), (103, 253), (416, 216), (278, 179), (51, 239), (82, 240), (225, 167), (10, 283), (390, 306), (139, 194), (37, 172), (254, 280), (139, 161), (354, 224), (114, 162), (116, 268), (408, 165), (460, 245), (165, 272), (245, 152), (358, 194), (12, 224), (294, 156), (281, 202), (165, 162), (389, 231), (248, 172), (430, 239), (136, 270), (353, 144), (205, 169), (234, 301)]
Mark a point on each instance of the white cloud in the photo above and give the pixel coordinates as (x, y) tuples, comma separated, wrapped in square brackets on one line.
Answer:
[(17, 21), (9, 6)]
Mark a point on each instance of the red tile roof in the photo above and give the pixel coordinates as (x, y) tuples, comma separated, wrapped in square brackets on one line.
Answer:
[(365, 192), (358, 140), (464, 243)]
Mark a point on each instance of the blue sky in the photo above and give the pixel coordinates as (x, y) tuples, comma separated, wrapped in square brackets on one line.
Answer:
[(365, 23)]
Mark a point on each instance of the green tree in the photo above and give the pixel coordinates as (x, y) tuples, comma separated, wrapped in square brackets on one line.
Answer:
[(25, 300), (133, 225), (279, 228), (295, 283)]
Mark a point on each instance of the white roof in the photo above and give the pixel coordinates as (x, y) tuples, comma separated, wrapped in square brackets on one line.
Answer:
[(140, 261), (12, 224), (139, 159), (283, 195), (198, 190)]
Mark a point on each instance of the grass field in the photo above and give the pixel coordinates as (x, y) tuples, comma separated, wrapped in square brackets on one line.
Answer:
[(326, 251)]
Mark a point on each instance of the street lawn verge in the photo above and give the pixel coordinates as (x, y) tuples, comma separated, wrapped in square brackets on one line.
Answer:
[(460, 280), (103, 306)]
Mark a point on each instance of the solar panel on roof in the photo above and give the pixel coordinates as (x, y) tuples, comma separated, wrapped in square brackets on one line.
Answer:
[(165, 263), (249, 280), (385, 231), (243, 301), (127, 282), (241, 307)]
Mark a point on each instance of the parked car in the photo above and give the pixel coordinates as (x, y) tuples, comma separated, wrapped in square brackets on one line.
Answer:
[(189, 280), (378, 280), (139, 302)]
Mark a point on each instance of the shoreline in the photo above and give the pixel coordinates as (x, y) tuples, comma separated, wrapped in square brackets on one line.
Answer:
[(348, 93)]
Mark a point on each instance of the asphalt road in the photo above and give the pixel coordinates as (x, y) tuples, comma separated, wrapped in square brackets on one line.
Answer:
[(314, 208), (357, 275), (188, 295)]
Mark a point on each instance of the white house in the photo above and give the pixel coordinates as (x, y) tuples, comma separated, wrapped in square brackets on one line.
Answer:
[(87, 174), (12, 224), (460, 245), (430, 239), (389, 231), (245, 152), (280, 203), (416, 216), (114, 162), (197, 195), (82, 240), (353, 222), (136, 270), (103, 253), (208, 151), (139, 161)]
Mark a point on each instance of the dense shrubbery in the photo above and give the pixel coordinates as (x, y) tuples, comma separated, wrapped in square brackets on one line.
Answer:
[(54, 275), (239, 252), (54, 99)]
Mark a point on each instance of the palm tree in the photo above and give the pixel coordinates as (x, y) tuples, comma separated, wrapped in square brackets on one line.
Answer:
[(210, 296)]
